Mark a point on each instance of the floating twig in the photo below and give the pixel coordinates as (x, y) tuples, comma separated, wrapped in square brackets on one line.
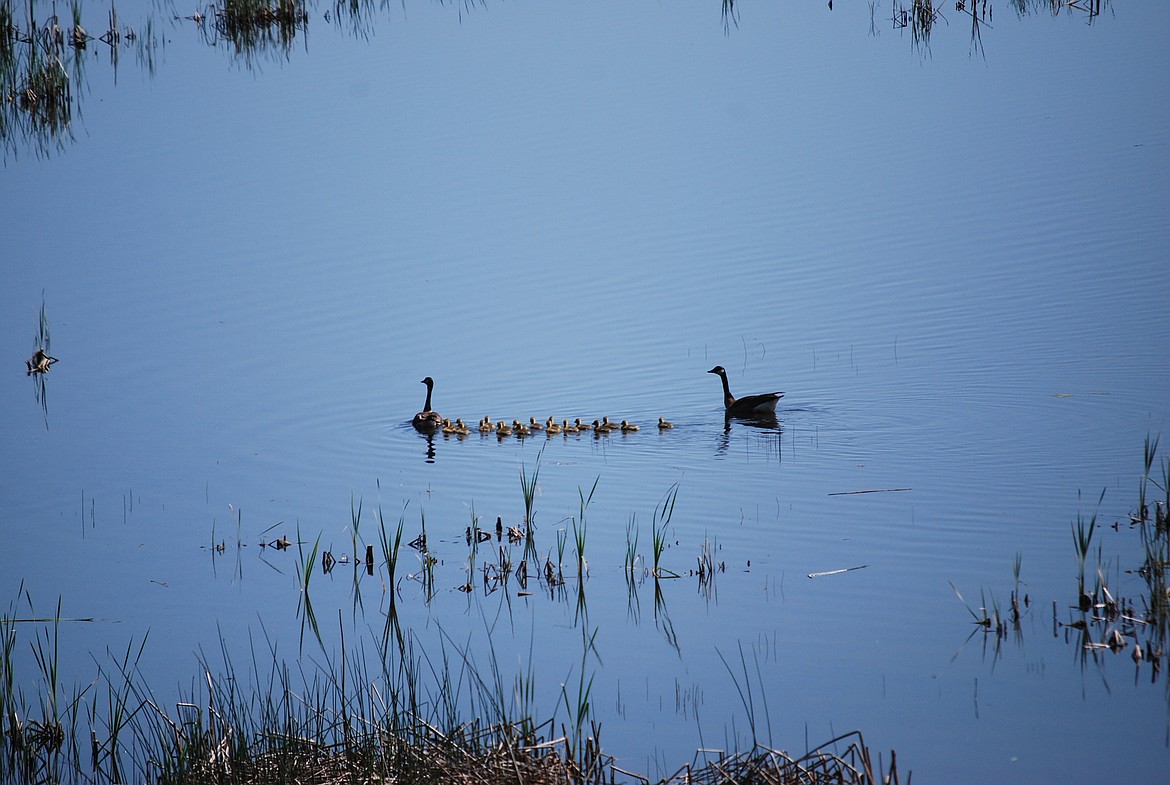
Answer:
[(836, 572)]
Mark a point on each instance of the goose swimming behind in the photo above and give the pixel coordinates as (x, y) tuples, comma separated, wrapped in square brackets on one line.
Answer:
[(428, 420), (748, 406)]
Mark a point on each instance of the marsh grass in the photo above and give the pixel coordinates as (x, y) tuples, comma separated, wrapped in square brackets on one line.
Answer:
[(920, 16), (528, 485), (1155, 538), (662, 515), (747, 695), (1082, 531), (304, 575), (254, 26), (579, 747), (631, 563), (706, 568), (1102, 621), (38, 744), (389, 708), (36, 94), (1017, 568), (579, 531)]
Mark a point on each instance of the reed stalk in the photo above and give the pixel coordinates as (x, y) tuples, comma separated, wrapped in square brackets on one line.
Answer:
[(1082, 531), (662, 515)]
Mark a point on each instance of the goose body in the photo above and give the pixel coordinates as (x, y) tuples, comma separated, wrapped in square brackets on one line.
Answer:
[(428, 420), (763, 404)]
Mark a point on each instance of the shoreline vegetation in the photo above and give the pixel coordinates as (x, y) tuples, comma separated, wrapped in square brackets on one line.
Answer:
[(398, 708), (337, 721), (1100, 621), (393, 707), (44, 55)]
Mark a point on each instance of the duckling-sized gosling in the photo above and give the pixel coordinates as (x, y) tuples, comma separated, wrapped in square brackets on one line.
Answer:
[(502, 430), (461, 428), (609, 426), (582, 426), (485, 425), (567, 428), (628, 427), (551, 427), (520, 429), (533, 425), (663, 425)]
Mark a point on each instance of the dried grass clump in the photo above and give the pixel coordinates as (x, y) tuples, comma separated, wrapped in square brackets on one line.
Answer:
[(499, 756), (852, 766)]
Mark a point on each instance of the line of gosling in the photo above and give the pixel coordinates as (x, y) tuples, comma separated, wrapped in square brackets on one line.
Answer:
[(429, 421), (549, 427)]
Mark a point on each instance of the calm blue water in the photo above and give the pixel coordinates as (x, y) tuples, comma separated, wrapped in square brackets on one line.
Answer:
[(952, 262)]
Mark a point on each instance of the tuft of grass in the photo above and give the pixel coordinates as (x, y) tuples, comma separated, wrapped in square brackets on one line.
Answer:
[(579, 708), (747, 694), (579, 530), (631, 546), (528, 487), (410, 711), (1149, 453), (1082, 531), (255, 25), (662, 515), (304, 576)]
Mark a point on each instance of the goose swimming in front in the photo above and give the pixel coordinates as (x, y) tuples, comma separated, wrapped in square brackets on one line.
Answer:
[(428, 420), (749, 406)]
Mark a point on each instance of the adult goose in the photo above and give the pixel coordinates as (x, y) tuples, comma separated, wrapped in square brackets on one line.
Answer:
[(427, 420), (762, 405)]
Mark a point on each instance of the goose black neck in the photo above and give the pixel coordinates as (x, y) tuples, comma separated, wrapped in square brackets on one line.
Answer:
[(430, 384)]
